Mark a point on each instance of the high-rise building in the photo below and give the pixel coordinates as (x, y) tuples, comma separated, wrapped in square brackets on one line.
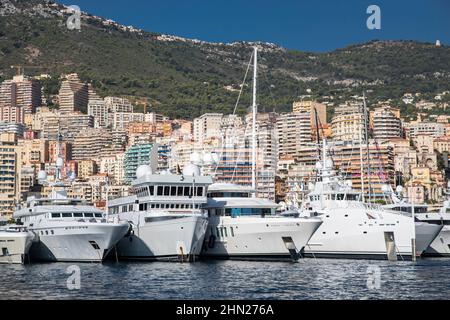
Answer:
[(121, 120), (18, 97), (137, 155), (386, 123), (293, 132), (10, 170), (73, 94), (348, 122), (90, 144), (207, 126), (311, 107)]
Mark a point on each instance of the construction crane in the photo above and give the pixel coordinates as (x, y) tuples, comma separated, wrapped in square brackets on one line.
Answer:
[(21, 68)]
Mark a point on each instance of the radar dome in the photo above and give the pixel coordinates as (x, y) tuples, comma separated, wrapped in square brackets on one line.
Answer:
[(42, 175), (191, 170), (208, 158), (195, 157), (59, 162), (399, 189), (143, 170)]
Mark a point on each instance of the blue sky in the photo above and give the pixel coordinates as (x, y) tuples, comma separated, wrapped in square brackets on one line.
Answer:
[(319, 25)]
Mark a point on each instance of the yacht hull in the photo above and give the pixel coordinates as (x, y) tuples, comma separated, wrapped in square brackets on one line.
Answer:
[(14, 247), (256, 238), (343, 235), (77, 242), (440, 247), (165, 238)]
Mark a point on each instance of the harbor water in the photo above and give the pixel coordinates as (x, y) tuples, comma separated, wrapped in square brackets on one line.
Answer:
[(309, 279)]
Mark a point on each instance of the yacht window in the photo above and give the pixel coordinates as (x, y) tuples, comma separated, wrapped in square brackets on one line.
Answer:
[(226, 233), (166, 190), (124, 209), (130, 207), (179, 191), (56, 215), (199, 191), (228, 211), (221, 232), (46, 232), (186, 192), (160, 190), (177, 206), (53, 232), (88, 215), (182, 206), (172, 206), (67, 215), (77, 215), (232, 231), (146, 193), (141, 207), (217, 232), (152, 189), (98, 215), (173, 191)]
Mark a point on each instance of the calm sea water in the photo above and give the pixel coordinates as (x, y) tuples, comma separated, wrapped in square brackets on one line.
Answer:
[(308, 279)]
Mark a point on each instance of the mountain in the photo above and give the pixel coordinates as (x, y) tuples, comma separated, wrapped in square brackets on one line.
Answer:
[(185, 78)]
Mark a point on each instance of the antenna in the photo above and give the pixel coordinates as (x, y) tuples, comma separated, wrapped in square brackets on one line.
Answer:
[(255, 110), (366, 131)]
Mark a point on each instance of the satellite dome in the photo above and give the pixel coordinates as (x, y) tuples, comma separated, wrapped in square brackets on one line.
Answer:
[(42, 175), (195, 157), (143, 170), (399, 189), (208, 158), (59, 162), (191, 170), (318, 165)]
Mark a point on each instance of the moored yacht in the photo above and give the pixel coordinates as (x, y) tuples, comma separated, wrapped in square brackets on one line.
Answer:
[(245, 227), (68, 229), (354, 229), (166, 213), (15, 243), (440, 246)]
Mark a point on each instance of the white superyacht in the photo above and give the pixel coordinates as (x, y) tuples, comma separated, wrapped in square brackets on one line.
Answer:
[(353, 229), (166, 212), (68, 230), (246, 228), (15, 243), (440, 247)]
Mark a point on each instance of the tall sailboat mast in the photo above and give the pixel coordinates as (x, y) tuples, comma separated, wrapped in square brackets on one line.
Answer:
[(254, 112)]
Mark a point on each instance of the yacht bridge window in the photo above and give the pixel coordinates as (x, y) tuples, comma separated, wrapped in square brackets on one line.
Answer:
[(236, 212)]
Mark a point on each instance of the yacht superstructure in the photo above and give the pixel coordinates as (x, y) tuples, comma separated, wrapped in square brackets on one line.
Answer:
[(246, 227), (166, 212), (68, 230), (354, 229)]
